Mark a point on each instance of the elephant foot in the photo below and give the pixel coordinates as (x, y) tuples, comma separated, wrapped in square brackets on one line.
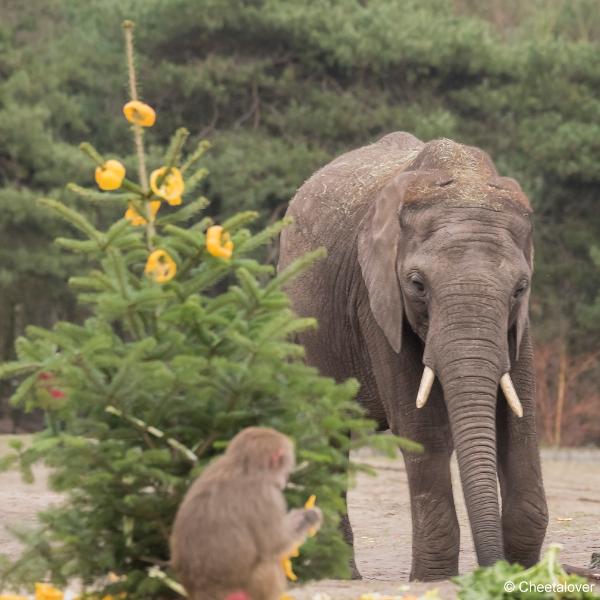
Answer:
[(433, 574), (435, 566), (524, 525), (525, 560)]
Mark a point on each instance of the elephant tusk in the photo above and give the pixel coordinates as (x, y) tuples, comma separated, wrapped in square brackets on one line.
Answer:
[(426, 382), (511, 394)]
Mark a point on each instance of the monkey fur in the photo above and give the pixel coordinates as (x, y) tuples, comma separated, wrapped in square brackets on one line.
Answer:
[(233, 528)]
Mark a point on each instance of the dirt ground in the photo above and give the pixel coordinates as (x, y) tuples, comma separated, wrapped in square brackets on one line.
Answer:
[(380, 514)]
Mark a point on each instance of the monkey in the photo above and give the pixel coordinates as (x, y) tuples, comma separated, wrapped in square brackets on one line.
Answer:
[(232, 529)]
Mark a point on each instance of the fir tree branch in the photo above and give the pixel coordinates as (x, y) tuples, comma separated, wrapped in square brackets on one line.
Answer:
[(88, 149), (135, 323), (156, 573), (185, 213), (202, 147), (192, 182), (17, 368), (239, 219), (96, 196), (138, 132), (81, 362), (155, 432), (75, 218), (299, 265), (173, 153)]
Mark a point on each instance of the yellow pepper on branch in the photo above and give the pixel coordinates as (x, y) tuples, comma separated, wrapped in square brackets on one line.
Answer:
[(139, 113), (134, 217), (218, 242), (110, 175), (171, 185), (160, 266)]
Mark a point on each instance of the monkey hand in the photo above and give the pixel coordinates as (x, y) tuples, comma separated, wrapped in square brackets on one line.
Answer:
[(314, 518), (304, 521), (313, 530)]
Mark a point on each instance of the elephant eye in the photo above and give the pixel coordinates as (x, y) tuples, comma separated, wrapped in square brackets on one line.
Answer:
[(521, 289), (417, 283)]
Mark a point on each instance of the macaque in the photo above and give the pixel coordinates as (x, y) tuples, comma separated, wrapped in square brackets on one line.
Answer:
[(233, 528)]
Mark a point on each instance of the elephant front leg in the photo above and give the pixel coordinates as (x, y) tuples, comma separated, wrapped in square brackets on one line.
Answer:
[(436, 534), (524, 509), (435, 529)]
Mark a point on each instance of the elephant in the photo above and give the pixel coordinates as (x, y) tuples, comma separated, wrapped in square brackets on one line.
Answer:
[(423, 298)]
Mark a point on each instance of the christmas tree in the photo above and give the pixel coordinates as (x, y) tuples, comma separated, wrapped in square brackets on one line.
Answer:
[(187, 339)]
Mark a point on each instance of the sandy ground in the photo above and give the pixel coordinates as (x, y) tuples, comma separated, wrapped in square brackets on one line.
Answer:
[(379, 511), (380, 514)]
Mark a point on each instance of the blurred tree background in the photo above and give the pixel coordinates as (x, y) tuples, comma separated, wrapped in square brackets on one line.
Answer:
[(280, 87)]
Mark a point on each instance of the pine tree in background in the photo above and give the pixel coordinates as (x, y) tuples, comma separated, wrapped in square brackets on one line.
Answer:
[(187, 341), (280, 88)]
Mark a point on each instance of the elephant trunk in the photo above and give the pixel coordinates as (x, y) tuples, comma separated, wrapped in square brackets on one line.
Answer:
[(471, 401), (470, 356)]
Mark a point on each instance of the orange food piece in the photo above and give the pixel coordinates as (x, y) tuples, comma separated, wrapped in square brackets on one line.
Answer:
[(45, 591), (160, 266), (218, 242), (139, 113), (171, 187), (110, 175), (132, 215)]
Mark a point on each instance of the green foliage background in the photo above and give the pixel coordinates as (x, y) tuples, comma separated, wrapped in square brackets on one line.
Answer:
[(280, 87)]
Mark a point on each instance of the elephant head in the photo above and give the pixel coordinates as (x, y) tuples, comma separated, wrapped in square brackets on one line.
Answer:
[(446, 246)]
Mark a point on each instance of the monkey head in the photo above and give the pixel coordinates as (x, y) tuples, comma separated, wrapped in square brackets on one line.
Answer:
[(262, 449)]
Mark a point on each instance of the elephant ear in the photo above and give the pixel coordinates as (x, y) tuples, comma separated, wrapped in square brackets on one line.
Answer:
[(516, 194), (378, 239), (523, 314)]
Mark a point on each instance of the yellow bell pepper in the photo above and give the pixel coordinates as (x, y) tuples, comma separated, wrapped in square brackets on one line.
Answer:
[(110, 175), (286, 561), (139, 113), (218, 242), (160, 266), (132, 215), (171, 187), (45, 591), (286, 564)]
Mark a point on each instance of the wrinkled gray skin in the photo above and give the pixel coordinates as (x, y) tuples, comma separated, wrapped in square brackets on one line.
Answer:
[(429, 263)]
